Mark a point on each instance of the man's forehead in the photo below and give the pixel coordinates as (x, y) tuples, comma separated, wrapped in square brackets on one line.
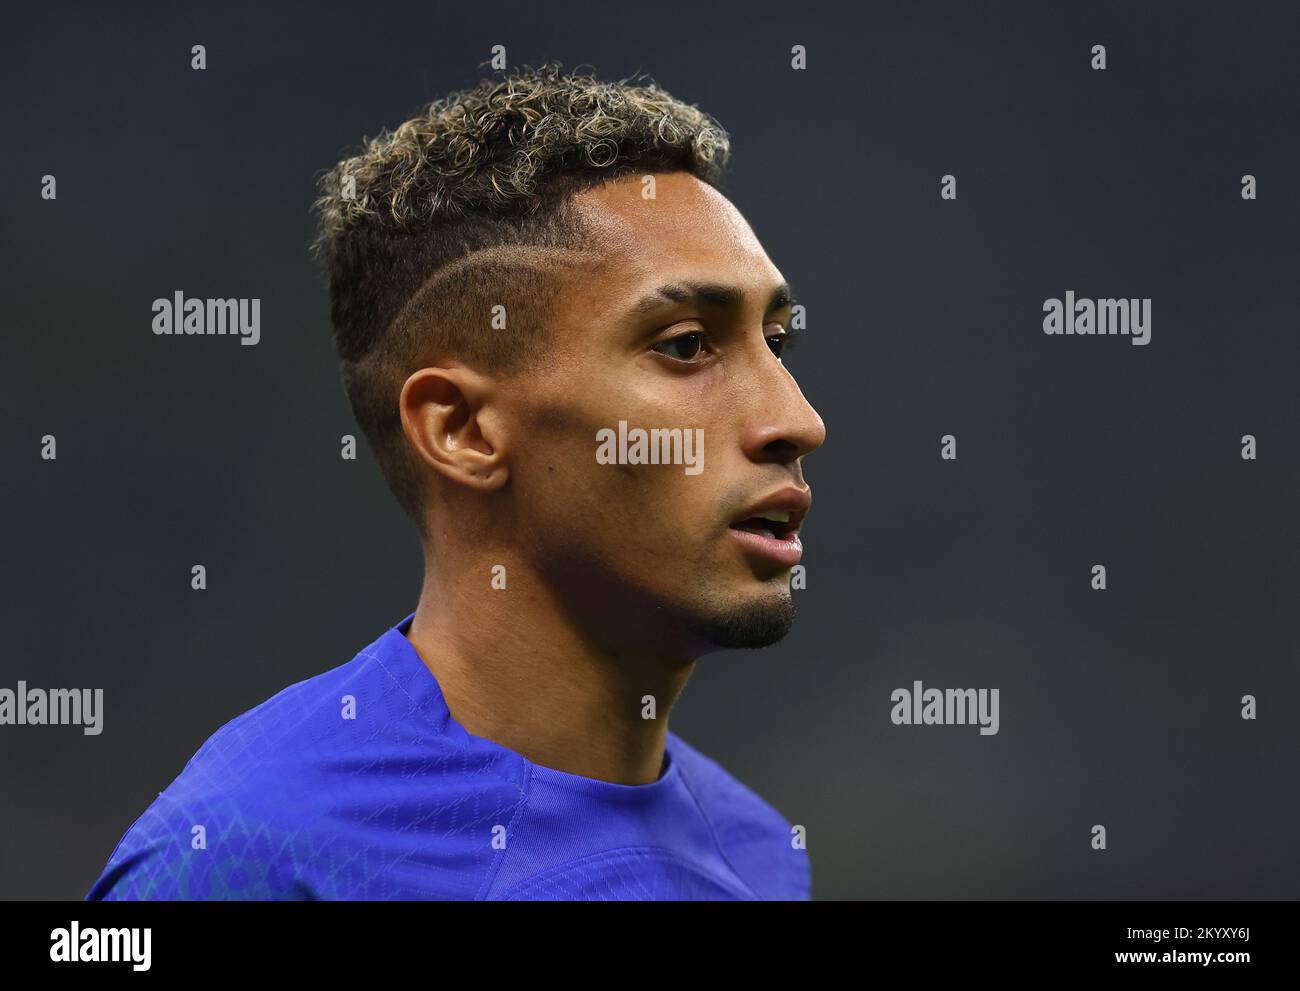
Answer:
[(668, 210), (686, 231)]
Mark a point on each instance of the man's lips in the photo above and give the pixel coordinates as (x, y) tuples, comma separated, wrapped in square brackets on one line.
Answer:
[(783, 551), (770, 527)]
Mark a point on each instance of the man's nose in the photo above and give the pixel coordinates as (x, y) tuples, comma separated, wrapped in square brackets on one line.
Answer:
[(783, 425)]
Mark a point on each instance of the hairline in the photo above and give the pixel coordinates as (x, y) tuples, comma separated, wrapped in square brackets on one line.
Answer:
[(540, 258)]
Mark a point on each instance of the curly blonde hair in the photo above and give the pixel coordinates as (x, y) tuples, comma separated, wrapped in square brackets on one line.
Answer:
[(491, 167)]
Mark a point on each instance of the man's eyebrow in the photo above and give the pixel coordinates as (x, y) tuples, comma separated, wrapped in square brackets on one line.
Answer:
[(707, 294)]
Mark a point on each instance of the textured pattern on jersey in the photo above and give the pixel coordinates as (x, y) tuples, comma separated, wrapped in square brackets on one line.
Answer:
[(295, 801)]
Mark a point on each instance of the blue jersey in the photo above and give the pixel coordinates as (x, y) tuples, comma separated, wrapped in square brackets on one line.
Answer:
[(358, 784)]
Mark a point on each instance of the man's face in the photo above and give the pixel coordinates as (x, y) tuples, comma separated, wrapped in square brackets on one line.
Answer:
[(666, 555)]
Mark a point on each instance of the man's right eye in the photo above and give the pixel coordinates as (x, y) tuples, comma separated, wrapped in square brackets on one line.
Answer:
[(684, 347)]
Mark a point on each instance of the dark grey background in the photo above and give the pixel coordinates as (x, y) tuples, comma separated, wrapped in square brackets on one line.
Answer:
[(1118, 707)]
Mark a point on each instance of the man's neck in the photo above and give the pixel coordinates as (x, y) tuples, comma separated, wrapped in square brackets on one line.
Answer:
[(515, 669)]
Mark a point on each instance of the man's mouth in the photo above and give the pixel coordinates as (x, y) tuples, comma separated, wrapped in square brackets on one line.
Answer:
[(770, 530), (774, 524)]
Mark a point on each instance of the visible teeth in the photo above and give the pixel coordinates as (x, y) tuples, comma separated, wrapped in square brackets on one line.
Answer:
[(775, 515)]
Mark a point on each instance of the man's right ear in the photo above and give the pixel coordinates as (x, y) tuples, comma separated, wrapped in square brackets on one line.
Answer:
[(450, 419)]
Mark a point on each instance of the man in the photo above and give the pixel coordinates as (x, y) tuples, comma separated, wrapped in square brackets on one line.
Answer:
[(564, 346)]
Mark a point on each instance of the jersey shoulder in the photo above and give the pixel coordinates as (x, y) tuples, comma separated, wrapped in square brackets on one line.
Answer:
[(761, 845), (343, 786)]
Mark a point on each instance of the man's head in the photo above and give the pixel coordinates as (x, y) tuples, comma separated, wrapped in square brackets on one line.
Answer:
[(523, 268)]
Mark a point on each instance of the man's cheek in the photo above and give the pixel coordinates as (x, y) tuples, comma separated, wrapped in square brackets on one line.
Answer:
[(665, 505)]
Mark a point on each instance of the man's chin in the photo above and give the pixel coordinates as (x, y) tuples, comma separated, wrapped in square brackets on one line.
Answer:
[(756, 622)]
